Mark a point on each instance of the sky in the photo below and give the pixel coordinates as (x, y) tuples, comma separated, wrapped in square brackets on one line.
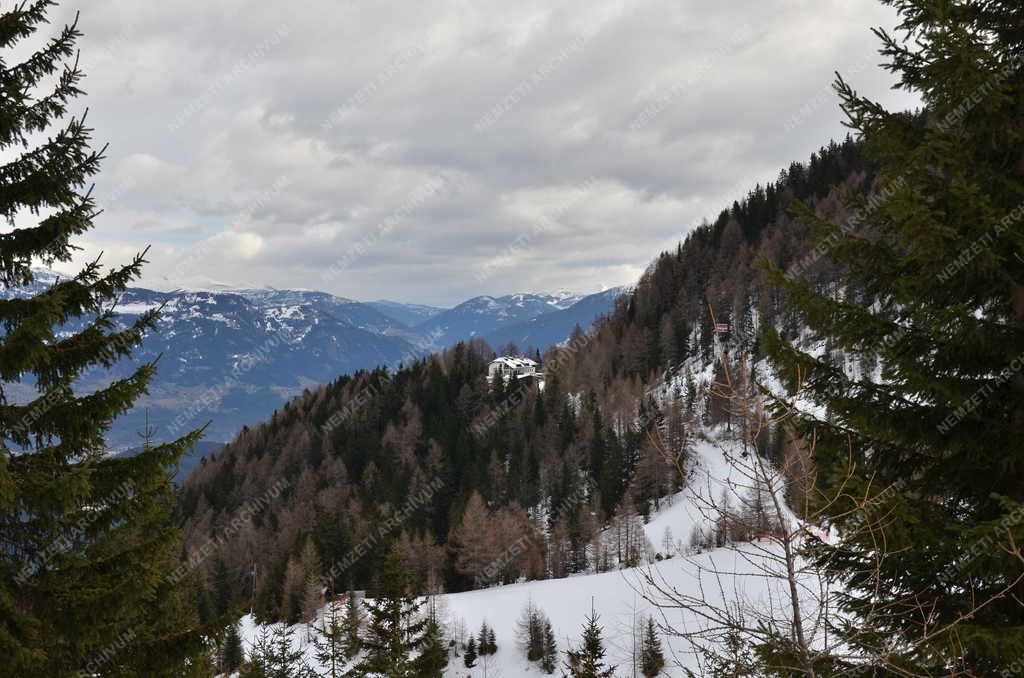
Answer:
[(433, 151)]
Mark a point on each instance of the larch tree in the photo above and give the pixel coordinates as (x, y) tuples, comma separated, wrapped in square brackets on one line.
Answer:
[(293, 591), (928, 449), (473, 539), (87, 545)]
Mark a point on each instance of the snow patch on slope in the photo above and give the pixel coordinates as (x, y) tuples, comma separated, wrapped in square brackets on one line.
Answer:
[(617, 597)]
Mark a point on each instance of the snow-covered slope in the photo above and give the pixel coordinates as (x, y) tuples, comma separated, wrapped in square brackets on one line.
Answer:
[(709, 476), (621, 598)]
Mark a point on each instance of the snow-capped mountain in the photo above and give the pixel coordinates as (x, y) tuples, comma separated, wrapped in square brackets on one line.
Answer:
[(480, 316), (231, 356), (232, 359), (554, 327), (358, 314)]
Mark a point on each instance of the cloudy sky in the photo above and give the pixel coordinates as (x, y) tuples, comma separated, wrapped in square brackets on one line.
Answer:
[(433, 151)]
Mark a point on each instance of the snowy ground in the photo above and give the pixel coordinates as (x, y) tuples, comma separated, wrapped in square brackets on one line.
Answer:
[(620, 598), (710, 473)]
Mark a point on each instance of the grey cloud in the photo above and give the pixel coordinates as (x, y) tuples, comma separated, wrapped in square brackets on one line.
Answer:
[(418, 119)]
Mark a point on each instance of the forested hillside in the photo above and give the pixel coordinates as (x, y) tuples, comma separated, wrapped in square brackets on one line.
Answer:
[(457, 469), (795, 446)]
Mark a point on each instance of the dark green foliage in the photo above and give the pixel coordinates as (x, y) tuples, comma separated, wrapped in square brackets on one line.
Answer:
[(531, 632), (232, 656), (737, 659), (549, 658), (926, 463), (395, 632), (469, 658), (588, 660), (223, 590), (652, 659), (251, 669), (433, 656), (203, 603), (329, 643), (89, 545), (486, 641), (268, 597), (273, 656)]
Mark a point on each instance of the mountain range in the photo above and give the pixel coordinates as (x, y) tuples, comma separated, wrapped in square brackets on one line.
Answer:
[(232, 356)]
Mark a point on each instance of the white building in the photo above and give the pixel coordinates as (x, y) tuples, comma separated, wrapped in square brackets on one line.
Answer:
[(511, 367)]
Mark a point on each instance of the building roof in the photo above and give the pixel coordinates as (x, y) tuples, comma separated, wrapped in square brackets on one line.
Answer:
[(514, 362)]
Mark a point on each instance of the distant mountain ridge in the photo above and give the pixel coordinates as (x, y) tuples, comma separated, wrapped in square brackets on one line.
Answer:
[(549, 329), (407, 314), (231, 356), (479, 316)]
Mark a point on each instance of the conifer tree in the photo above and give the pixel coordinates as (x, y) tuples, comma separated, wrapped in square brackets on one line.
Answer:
[(486, 643), (313, 586), (395, 633), (588, 660), (285, 660), (492, 641), (535, 644), (232, 655), (433, 658), (549, 657), (329, 643), (735, 658), (469, 658), (69, 511), (222, 588), (275, 656), (927, 460), (202, 602), (255, 665), (351, 625), (531, 630), (652, 659), (293, 593)]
